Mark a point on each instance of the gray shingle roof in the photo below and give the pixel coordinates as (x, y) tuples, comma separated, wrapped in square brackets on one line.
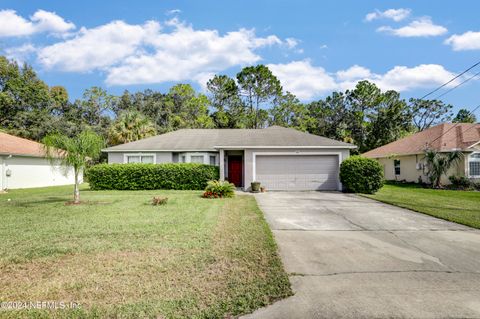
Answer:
[(212, 139)]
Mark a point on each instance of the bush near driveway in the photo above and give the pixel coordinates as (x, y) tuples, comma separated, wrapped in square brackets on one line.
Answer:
[(181, 176), (361, 175)]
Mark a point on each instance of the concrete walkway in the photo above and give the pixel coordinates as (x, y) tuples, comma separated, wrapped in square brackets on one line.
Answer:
[(351, 257)]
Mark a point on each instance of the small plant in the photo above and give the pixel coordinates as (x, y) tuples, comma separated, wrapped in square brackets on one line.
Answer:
[(219, 189), (438, 164), (461, 182), (361, 175), (157, 200)]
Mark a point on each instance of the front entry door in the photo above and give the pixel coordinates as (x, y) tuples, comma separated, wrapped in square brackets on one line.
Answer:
[(235, 170)]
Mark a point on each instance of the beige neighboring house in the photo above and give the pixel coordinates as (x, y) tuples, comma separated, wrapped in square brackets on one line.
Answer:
[(23, 164), (403, 160), (279, 158)]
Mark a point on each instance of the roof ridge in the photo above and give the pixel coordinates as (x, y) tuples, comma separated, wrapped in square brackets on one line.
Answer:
[(22, 138)]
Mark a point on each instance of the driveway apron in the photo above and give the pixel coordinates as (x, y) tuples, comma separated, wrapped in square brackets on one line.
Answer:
[(352, 257)]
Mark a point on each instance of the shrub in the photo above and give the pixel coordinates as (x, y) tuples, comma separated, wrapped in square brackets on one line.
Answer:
[(151, 176), (157, 200), (460, 182), (361, 175), (219, 189)]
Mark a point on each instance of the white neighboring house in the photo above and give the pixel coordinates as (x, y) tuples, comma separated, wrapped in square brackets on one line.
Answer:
[(23, 164)]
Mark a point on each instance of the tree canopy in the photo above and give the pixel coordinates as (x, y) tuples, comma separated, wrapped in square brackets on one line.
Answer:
[(254, 98)]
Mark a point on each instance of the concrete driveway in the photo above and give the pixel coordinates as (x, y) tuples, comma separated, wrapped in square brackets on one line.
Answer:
[(351, 257)]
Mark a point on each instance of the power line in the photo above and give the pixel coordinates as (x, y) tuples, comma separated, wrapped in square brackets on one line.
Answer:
[(450, 81), (446, 83), (474, 125), (456, 124), (456, 86)]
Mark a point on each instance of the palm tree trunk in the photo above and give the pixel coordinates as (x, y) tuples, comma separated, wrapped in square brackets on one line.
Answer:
[(76, 189)]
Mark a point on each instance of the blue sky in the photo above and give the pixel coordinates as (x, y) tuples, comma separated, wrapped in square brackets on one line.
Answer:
[(314, 47)]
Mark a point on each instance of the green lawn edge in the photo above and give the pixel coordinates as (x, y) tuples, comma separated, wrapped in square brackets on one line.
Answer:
[(461, 207)]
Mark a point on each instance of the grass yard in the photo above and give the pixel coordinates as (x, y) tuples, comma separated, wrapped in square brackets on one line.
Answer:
[(457, 206), (119, 256)]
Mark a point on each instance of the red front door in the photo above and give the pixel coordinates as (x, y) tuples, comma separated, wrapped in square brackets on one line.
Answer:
[(235, 170)]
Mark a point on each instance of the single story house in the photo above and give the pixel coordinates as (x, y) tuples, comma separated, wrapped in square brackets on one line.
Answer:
[(23, 164), (277, 157), (403, 160)]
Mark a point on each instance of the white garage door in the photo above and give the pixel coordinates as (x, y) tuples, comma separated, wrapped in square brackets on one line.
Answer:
[(297, 172)]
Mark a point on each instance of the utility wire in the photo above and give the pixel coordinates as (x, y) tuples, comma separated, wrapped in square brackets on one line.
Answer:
[(456, 124), (474, 125), (456, 86), (445, 84), (450, 81)]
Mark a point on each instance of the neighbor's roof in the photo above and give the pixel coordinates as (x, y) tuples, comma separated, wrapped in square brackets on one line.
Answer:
[(13, 145), (443, 138), (212, 139)]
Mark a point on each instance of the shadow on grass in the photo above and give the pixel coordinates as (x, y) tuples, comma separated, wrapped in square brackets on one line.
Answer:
[(54, 200), (47, 200)]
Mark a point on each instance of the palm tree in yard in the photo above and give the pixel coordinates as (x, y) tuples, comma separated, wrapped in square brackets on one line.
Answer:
[(73, 152), (130, 126), (438, 164)]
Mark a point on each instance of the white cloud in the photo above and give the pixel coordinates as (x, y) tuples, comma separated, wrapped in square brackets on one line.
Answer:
[(97, 48), (303, 79), (45, 21), (185, 52), (21, 53), (291, 42), (308, 81), (11, 24), (353, 73), (140, 54), (173, 12), (402, 78), (423, 27), (467, 41), (394, 14)]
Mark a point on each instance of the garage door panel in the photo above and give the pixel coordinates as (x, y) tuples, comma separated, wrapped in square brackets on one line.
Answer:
[(297, 172)]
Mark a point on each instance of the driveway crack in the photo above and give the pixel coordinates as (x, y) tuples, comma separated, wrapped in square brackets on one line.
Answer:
[(346, 218), (420, 250)]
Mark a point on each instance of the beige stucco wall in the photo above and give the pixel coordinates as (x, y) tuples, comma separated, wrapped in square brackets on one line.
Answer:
[(409, 171)]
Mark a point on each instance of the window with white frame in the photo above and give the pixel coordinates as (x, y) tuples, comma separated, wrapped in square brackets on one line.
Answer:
[(136, 158), (212, 159), (196, 159), (396, 166), (474, 165)]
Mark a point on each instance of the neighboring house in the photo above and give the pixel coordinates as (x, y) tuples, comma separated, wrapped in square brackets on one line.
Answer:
[(23, 164), (403, 160), (277, 157)]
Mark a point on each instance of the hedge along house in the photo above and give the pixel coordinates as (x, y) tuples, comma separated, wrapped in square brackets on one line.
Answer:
[(404, 159), (277, 157), (23, 164)]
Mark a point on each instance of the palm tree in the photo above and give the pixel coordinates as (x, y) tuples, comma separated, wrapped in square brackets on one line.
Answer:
[(438, 164), (73, 152), (130, 126)]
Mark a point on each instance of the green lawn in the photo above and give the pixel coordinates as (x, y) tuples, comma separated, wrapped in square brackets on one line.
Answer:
[(457, 206), (119, 256)]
